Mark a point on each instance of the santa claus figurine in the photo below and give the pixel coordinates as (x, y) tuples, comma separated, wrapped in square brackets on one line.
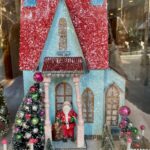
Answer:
[(67, 117)]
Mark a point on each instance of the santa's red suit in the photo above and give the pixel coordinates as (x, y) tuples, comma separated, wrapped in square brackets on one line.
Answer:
[(67, 122)]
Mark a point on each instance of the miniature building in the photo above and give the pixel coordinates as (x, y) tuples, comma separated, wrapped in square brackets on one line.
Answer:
[(68, 42)]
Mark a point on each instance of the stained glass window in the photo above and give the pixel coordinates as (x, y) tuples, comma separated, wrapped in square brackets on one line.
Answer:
[(63, 93), (62, 34), (88, 105), (112, 105)]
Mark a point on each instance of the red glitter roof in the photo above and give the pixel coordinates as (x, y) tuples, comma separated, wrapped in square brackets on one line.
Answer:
[(90, 24), (63, 64)]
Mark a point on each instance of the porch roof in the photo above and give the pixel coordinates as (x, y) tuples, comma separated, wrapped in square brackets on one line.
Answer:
[(63, 65)]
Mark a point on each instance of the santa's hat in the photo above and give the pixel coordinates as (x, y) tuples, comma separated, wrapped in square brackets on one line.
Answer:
[(67, 103)]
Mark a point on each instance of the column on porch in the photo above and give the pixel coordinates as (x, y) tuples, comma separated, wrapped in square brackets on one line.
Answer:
[(80, 126), (48, 130)]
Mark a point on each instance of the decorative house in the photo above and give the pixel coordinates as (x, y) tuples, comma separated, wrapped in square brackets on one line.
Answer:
[(68, 42)]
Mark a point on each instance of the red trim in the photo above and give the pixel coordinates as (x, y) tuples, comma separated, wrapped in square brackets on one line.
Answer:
[(63, 64)]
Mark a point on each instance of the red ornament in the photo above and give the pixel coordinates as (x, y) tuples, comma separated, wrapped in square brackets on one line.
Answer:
[(33, 141), (38, 77), (142, 127), (33, 89), (28, 116)]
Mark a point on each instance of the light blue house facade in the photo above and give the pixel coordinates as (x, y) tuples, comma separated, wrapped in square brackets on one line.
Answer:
[(97, 87)]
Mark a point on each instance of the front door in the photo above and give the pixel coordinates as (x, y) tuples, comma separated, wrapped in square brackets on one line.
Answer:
[(63, 93)]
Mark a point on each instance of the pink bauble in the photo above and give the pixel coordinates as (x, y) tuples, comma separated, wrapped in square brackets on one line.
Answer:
[(124, 111), (28, 101), (32, 141), (38, 77), (42, 113), (121, 125), (4, 141), (33, 89), (128, 133), (129, 140), (124, 122), (142, 127)]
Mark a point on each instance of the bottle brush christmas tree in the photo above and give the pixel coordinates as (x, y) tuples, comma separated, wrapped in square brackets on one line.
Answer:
[(29, 122), (49, 145), (4, 119)]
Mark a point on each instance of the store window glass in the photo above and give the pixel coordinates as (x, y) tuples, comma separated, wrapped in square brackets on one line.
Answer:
[(129, 46)]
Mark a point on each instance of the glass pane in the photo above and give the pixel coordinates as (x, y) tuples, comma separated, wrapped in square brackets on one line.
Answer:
[(109, 106), (60, 89), (114, 118), (68, 98), (115, 112), (108, 118), (59, 106), (108, 112), (115, 106), (60, 99), (68, 90)]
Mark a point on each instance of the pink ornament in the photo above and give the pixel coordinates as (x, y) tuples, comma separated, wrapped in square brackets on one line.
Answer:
[(124, 111), (4, 141), (124, 123), (16, 130), (42, 113), (28, 116), (128, 133), (38, 77), (129, 140), (142, 127), (33, 89), (28, 101), (121, 125), (33, 141)]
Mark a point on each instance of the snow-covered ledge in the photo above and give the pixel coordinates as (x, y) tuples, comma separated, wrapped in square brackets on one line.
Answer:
[(80, 126), (48, 130)]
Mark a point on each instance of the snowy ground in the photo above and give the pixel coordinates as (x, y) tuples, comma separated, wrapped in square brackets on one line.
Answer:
[(14, 95)]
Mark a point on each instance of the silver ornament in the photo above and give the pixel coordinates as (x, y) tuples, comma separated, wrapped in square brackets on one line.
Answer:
[(138, 137), (21, 114), (35, 130), (27, 135), (26, 108), (130, 125), (40, 90), (34, 107), (25, 125)]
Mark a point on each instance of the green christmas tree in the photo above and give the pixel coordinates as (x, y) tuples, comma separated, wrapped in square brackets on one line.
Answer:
[(29, 122), (4, 117), (49, 145)]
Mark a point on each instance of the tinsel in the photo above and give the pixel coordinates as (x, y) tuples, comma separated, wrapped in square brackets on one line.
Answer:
[(90, 24)]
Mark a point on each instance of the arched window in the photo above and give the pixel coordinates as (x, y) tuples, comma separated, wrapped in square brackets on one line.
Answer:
[(112, 105), (88, 105), (63, 93), (62, 34)]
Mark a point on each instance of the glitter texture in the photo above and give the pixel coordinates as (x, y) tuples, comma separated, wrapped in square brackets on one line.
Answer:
[(90, 23)]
